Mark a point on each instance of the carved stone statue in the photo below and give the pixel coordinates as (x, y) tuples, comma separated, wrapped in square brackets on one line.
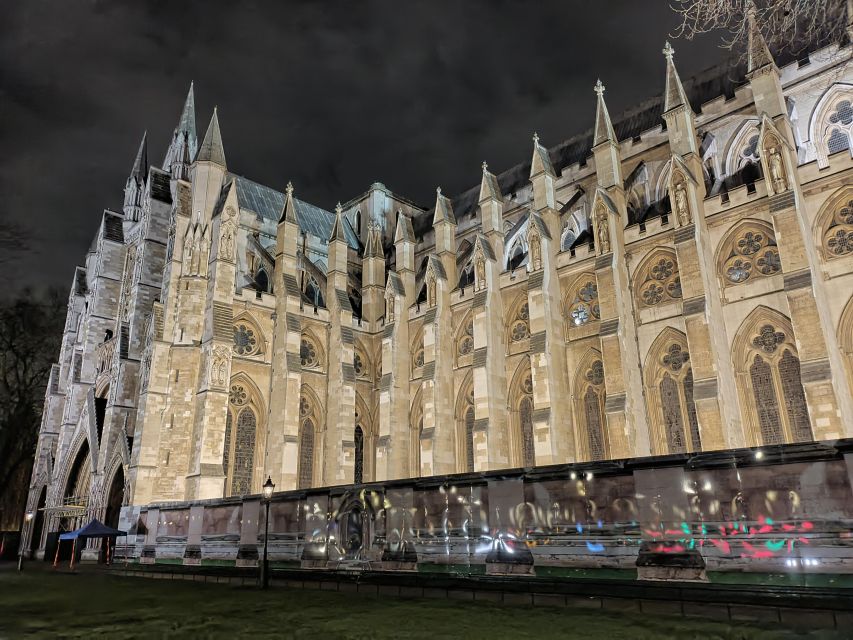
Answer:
[(219, 366), (389, 309), (431, 290), (480, 272), (535, 251), (777, 169), (682, 208), (602, 230)]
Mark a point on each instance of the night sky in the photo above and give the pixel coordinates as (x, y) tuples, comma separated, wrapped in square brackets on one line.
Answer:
[(331, 95)]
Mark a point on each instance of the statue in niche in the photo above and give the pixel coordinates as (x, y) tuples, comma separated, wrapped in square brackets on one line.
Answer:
[(480, 271), (188, 254), (535, 251), (602, 231), (777, 169), (226, 239), (682, 208), (431, 289), (219, 368), (389, 309)]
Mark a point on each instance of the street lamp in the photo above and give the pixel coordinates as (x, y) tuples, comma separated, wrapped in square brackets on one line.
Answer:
[(268, 488), (28, 517)]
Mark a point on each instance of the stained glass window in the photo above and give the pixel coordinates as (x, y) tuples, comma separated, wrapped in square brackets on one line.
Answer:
[(244, 453), (308, 353), (469, 439), (696, 440), (306, 454), (766, 402), (584, 305), (795, 399), (594, 424), (672, 417), (751, 252), (226, 454), (525, 416), (358, 475), (838, 238)]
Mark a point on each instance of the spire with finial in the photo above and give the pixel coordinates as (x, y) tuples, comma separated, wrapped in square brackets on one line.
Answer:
[(288, 210), (541, 159), (140, 164), (674, 95), (489, 187), (758, 55), (443, 208), (211, 149), (338, 227), (603, 127)]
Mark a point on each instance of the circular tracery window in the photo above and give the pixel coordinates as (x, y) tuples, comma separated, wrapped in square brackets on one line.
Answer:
[(245, 342), (308, 353)]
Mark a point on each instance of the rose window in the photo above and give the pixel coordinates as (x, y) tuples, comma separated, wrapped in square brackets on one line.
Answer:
[(308, 353), (358, 363), (838, 239), (768, 339), (675, 357), (237, 395), (419, 359), (752, 253), (245, 342), (595, 374), (519, 330), (584, 306)]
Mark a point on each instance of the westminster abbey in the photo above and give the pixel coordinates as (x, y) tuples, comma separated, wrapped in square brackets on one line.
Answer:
[(679, 279)]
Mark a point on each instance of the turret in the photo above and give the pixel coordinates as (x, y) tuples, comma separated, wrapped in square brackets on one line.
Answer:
[(444, 225), (542, 177), (605, 146), (208, 170), (184, 144)]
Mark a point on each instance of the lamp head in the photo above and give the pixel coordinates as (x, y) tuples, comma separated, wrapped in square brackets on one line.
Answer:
[(268, 488)]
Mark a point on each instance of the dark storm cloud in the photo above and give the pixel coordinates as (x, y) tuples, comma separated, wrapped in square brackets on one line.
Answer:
[(331, 95)]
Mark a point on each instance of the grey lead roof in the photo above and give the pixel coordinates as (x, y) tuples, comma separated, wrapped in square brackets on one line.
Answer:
[(267, 204)]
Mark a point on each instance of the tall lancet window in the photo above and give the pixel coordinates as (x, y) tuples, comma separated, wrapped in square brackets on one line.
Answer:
[(525, 419), (307, 421), (358, 438), (589, 398)]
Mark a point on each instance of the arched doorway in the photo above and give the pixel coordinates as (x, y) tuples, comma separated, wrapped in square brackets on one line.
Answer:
[(115, 497)]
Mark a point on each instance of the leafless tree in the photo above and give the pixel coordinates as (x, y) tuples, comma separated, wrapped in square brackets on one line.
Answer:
[(30, 333), (788, 26)]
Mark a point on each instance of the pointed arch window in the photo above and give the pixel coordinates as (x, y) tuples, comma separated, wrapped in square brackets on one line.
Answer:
[(307, 420), (838, 234), (748, 253), (591, 392), (520, 326), (669, 389), (469, 439), (244, 453), (777, 389), (358, 438), (313, 294), (583, 307), (517, 256), (465, 343), (525, 418), (659, 280), (838, 131)]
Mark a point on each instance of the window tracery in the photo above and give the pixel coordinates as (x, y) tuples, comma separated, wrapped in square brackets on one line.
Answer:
[(669, 389), (244, 453), (660, 280), (308, 353), (584, 306), (592, 406), (750, 252), (520, 327), (238, 396), (839, 129), (465, 344), (358, 438), (246, 342), (360, 364), (781, 412), (838, 237), (307, 420), (525, 420)]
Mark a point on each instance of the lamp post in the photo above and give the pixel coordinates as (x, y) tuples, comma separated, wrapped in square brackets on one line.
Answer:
[(268, 488), (28, 518)]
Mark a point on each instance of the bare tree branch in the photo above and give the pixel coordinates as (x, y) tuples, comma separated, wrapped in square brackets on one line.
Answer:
[(788, 26)]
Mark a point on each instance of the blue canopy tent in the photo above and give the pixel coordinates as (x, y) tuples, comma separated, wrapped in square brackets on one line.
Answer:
[(95, 529)]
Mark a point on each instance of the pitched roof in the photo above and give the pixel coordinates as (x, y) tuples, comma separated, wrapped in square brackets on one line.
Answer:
[(211, 149), (267, 204)]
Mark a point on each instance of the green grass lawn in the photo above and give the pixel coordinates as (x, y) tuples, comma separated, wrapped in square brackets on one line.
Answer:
[(60, 605)]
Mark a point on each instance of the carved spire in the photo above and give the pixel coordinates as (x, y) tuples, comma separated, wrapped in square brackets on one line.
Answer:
[(211, 149), (140, 164), (541, 161), (288, 211), (758, 55), (489, 187), (603, 127), (443, 209), (338, 234), (674, 95)]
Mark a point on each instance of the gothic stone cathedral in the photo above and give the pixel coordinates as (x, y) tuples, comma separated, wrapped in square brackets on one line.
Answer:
[(677, 280)]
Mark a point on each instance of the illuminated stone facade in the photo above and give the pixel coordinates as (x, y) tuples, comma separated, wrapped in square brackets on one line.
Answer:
[(678, 280)]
